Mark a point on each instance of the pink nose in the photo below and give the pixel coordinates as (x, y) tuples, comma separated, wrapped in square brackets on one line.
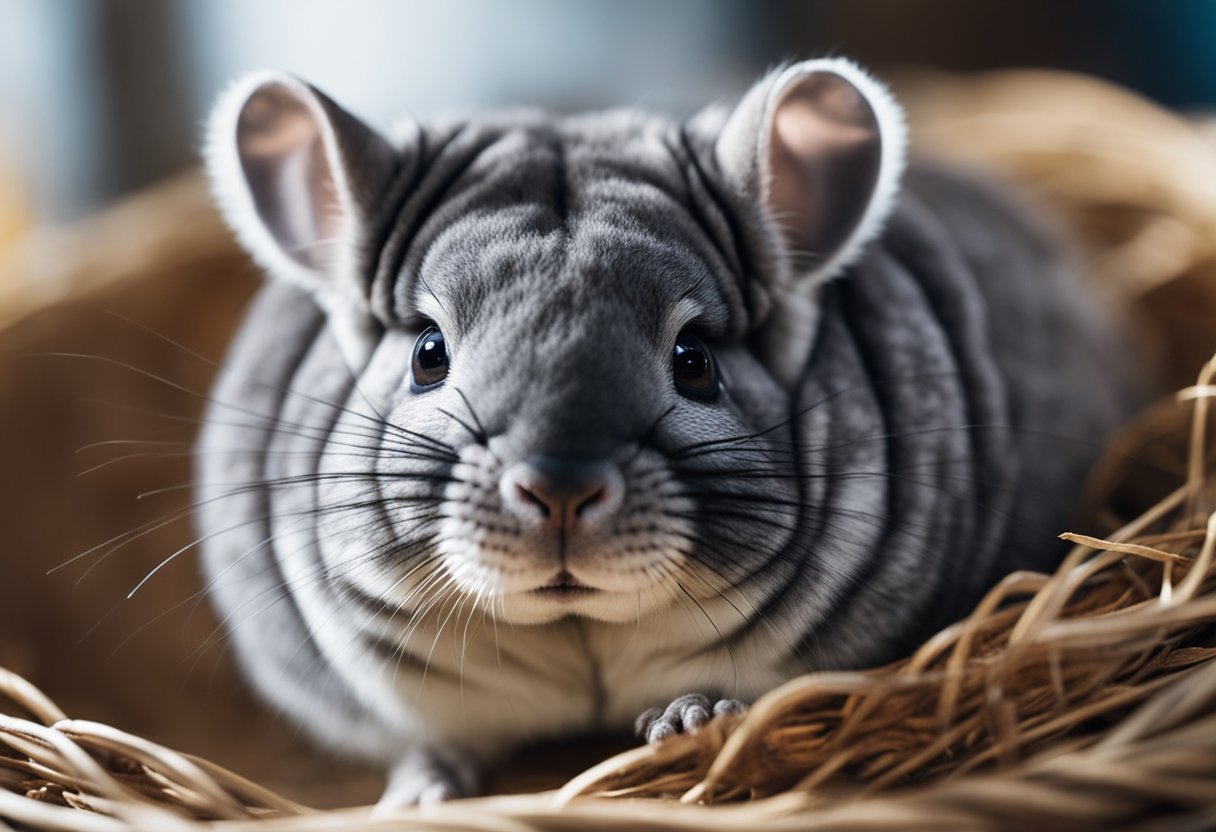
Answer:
[(561, 493)]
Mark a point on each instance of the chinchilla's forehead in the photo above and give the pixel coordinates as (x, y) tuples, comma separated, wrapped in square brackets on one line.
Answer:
[(610, 210)]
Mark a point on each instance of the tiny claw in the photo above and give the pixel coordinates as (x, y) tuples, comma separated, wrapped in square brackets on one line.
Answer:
[(685, 715)]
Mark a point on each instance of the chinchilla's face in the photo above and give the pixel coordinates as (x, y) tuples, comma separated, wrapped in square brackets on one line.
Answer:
[(576, 347), (570, 340)]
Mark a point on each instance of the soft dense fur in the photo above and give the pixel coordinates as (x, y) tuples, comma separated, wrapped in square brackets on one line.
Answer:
[(885, 443)]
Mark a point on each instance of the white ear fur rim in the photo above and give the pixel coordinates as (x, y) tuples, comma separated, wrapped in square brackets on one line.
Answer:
[(893, 138), (231, 188)]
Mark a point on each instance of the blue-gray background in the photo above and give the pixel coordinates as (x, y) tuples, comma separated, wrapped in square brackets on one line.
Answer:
[(99, 97)]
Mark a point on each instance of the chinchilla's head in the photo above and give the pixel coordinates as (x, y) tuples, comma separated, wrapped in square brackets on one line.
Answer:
[(574, 339)]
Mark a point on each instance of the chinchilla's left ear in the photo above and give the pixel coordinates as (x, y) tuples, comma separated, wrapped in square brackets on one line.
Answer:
[(821, 146), (297, 178)]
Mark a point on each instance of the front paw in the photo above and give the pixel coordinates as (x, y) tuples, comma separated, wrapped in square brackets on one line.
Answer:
[(684, 715), (425, 776)]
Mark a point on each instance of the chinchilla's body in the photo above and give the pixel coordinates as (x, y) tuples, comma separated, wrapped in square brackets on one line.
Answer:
[(548, 421)]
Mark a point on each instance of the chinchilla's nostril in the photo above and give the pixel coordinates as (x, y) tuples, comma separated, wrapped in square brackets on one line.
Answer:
[(597, 497), (530, 496), (563, 493)]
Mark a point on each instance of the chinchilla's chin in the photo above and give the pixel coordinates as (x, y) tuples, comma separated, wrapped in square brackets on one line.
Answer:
[(516, 600)]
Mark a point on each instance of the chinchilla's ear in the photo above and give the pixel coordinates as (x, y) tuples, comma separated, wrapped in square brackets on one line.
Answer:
[(297, 178), (821, 145)]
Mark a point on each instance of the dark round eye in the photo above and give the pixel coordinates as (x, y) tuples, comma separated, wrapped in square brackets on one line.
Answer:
[(692, 365), (430, 360)]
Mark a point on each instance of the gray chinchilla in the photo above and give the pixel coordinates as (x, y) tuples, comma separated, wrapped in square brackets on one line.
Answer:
[(544, 422)]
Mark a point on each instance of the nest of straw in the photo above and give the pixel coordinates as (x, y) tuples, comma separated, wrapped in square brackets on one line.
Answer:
[(1081, 699)]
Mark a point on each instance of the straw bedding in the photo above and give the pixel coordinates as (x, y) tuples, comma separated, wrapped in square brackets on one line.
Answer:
[(1082, 699)]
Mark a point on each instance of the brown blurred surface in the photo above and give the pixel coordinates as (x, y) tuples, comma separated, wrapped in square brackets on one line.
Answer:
[(97, 354), (160, 268), (162, 264)]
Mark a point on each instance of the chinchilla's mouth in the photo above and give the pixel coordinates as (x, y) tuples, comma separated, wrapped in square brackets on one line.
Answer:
[(563, 586)]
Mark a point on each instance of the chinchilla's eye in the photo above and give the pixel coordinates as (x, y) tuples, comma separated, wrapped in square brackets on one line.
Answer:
[(692, 366), (430, 365)]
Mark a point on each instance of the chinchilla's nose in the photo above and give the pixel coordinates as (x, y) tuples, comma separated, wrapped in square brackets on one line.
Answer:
[(562, 494)]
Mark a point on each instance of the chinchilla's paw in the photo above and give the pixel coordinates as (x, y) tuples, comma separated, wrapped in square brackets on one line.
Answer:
[(424, 777), (684, 715)]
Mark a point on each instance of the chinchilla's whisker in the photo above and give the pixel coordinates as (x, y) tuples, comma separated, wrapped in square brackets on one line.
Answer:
[(480, 435), (897, 472), (238, 488), (198, 596), (738, 514), (393, 606), (437, 592), (329, 509), (681, 453), (404, 440), (442, 596), (174, 385), (472, 431), (188, 448), (193, 598), (723, 550), (745, 619), (287, 391), (796, 450), (474, 595), (130, 536), (467, 601), (200, 540), (317, 576), (194, 453), (714, 506), (681, 599), (648, 435), (718, 630)]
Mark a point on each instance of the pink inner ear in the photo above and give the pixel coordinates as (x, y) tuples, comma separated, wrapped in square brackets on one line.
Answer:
[(285, 163), (824, 156)]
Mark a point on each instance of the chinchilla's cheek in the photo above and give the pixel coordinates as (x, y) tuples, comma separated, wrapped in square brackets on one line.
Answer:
[(750, 388)]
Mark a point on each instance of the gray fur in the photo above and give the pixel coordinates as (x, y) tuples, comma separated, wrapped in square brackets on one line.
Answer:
[(880, 453)]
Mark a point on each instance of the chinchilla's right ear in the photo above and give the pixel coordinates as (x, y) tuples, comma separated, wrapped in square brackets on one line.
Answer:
[(820, 146), (297, 178)]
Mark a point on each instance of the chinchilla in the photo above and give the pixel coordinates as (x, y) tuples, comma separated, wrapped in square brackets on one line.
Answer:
[(544, 422)]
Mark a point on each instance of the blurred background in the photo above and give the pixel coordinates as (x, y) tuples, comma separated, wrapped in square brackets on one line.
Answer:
[(120, 288), (100, 97)]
